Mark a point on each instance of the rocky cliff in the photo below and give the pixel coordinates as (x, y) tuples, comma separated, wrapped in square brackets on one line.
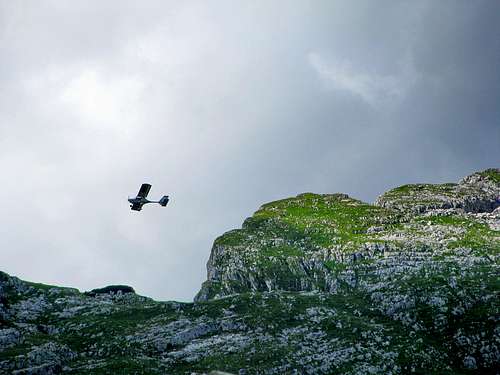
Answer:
[(315, 284), (322, 242)]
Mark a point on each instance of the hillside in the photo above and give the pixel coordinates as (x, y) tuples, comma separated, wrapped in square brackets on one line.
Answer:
[(313, 284)]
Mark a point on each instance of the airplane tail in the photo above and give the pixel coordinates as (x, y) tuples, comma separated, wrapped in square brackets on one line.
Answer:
[(164, 200)]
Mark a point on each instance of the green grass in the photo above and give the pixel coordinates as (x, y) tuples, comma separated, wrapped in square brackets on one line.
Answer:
[(481, 238), (324, 220), (493, 174), (460, 221), (408, 189), (334, 266), (232, 238), (281, 251)]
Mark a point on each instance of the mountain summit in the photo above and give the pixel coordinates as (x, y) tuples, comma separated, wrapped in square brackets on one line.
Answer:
[(313, 284), (319, 242)]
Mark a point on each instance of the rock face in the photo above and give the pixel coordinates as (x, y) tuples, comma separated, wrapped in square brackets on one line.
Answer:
[(316, 242), (475, 193), (314, 284)]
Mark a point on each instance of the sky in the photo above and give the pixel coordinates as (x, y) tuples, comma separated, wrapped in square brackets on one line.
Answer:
[(223, 105)]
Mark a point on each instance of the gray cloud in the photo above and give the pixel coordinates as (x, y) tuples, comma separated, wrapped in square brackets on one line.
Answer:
[(224, 106)]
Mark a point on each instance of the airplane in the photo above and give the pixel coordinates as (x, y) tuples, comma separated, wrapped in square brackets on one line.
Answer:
[(140, 200)]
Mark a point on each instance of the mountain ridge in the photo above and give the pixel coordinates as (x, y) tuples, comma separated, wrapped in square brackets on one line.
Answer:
[(356, 224), (312, 284)]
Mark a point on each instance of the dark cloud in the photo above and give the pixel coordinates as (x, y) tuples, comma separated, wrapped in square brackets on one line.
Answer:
[(224, 107)]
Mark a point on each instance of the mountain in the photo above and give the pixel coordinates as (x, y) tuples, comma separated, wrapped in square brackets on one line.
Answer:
[(313, 284)]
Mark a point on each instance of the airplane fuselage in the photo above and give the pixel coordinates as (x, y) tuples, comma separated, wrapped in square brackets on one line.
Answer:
[(138, 200)]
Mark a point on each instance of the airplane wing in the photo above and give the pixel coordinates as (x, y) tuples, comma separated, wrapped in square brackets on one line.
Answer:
[(144, 190)]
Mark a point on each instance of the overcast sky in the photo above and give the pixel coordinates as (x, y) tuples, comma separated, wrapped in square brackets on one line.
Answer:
[(223, 105)]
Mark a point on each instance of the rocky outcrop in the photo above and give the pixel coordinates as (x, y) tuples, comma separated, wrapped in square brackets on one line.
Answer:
[(479, 192), (46, 359), (110, 289), (9, 337), (314, 242)]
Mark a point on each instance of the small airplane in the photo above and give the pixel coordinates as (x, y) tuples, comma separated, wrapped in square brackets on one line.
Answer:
[(140, 200)]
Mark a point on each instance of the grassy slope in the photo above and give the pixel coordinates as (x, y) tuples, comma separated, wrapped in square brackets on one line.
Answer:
[(344, 322)]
